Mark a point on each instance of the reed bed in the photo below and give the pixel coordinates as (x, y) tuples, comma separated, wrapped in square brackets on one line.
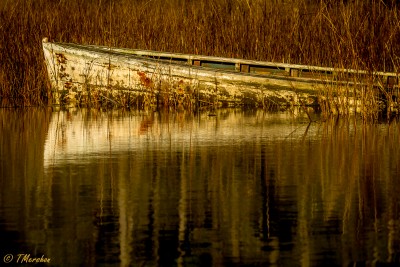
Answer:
[(343, 34)]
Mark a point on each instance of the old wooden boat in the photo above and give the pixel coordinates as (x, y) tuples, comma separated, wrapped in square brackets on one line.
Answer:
[(82, 74)]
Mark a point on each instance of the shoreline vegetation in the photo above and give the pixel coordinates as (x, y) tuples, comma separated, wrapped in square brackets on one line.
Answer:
[(360, 35)]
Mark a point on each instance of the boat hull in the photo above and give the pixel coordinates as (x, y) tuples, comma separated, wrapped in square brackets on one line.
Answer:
[(93, 74)]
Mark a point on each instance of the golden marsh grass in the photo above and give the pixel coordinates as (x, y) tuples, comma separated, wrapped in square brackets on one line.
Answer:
[(344, 34)]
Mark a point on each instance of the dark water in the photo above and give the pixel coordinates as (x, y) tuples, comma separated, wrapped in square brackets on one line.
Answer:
[(242, 188)]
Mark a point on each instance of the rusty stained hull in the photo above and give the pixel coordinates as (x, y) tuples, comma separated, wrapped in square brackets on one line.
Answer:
[(82, 74)]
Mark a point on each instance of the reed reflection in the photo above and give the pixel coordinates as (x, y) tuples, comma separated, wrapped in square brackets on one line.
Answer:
[(132, 188)]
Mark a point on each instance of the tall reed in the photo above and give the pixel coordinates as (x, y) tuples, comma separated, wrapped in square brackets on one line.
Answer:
[(352, 34)]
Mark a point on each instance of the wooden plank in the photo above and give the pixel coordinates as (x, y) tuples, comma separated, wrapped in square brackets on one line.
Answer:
[(392, 82), (237, 66), (245, 68), (294, 72)]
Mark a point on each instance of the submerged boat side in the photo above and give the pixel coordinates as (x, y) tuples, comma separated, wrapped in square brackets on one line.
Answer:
[(80, 73)]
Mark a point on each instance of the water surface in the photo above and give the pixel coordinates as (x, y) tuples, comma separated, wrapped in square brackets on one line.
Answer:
[(242, 188)]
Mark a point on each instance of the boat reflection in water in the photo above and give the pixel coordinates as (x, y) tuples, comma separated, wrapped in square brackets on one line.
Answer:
[(238, 188)]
